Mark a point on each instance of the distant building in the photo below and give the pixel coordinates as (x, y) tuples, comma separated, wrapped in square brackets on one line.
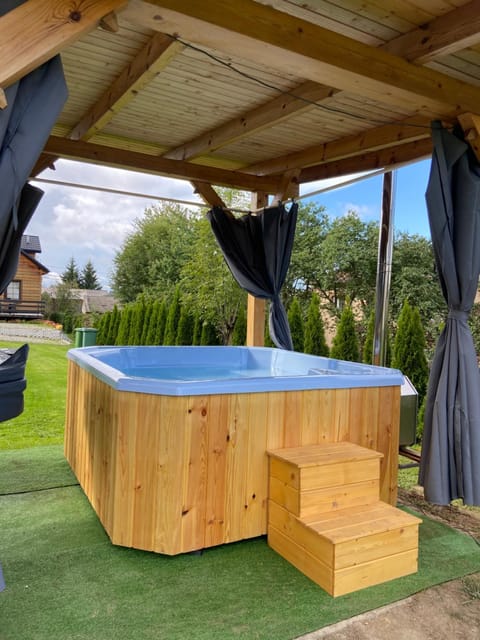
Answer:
[(23, 298), (93, 300)]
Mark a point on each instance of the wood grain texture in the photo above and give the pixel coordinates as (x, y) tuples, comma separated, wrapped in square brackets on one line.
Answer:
[(175, 474)]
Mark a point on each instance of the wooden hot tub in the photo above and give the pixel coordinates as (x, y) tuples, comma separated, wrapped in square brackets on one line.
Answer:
[(169, 443)]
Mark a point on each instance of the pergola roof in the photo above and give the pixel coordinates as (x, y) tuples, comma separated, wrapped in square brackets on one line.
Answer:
[(250, 94)]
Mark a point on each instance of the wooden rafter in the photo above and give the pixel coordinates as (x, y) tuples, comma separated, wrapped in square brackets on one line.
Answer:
[(254, 120), (408, 130), (208, 194), (100, 154), (470, 123), (149, 62), (257, 32), (382, 159), (453, 31), (433, 37), (35, 31)]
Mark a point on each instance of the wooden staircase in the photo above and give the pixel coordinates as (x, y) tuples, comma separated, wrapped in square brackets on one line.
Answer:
[(326, 518)]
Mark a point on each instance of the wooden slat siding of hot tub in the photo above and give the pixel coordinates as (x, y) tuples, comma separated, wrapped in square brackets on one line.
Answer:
[(388, 437), (195, 474), (173, 474), (255, 502)]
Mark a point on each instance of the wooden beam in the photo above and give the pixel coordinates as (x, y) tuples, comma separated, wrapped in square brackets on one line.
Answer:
[(208, 194), (256, 32), (453, 31), (408, 130), (35, 31), (254, 120), (43, 162), (470, 123), (288, 187), (148, 63), (382, 159), (114, 157), (256, 306)]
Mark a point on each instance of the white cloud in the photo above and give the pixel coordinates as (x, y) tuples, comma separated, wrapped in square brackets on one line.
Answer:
[(364, 211), (92, 225)]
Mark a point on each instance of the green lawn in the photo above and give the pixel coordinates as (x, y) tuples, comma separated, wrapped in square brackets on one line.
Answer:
[(42, 422)]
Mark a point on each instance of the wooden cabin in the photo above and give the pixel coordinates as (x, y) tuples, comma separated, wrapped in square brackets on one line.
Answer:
[(22, 299)]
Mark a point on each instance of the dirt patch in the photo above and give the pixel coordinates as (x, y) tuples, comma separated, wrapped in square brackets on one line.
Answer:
[(457, 517), (447, 611)]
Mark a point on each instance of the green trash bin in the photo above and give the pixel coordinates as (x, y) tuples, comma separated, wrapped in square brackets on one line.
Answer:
[(85, 337), (78, 338)]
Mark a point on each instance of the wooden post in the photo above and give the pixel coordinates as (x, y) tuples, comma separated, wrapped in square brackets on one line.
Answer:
[(470, 123), (256, 306)]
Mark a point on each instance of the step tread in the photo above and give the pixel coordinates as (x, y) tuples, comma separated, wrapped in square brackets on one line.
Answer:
[(323, 454), (357, 522)]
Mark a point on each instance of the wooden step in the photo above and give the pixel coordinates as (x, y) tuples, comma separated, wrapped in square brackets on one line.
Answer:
[(349, 550), (325, 517), (319, 478)]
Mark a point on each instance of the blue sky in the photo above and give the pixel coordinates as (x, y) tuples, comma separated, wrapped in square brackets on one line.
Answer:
[(93, 225)]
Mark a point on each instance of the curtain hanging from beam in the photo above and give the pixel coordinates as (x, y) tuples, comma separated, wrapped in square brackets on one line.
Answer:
[(450, 461), (257, 249)]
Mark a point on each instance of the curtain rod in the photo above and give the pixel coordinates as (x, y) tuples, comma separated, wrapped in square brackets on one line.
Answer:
[(134, 194)]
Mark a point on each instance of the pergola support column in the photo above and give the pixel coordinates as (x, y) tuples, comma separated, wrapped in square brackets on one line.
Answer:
[(256, 306)]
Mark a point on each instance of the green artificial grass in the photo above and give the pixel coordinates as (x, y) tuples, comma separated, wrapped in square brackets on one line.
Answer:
[(66, 581), (43, 420)]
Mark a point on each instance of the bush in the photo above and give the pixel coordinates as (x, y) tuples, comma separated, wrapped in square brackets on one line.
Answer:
[(315, 342), (295, 321), (409, 349), (345, 342)]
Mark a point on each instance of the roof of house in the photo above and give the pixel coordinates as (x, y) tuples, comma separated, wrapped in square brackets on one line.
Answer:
[(31, 243), (251, 94), (94, 300)]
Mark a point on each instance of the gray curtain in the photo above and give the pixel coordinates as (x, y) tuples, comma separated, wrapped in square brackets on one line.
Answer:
[(34, 104), (450, 461), (257, 249)]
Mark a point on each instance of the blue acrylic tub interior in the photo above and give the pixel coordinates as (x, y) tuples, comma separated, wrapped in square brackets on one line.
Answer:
[(213, 370)]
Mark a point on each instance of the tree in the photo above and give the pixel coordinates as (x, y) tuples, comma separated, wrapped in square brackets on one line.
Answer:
[(173, 317), (305, 272), (414, 279), (185, 327), (208, 287), (315, 342), (88, 278), (349, 255), (345, 342), (409, 349), (367, 352), (71, 275), (124, 327), (113, 326), (152, 256), (295, 321), (209, 335), (239, 335)]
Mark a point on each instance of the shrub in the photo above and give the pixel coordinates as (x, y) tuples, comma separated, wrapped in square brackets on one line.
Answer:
[(315, 342), (345, 342), (295, 321)]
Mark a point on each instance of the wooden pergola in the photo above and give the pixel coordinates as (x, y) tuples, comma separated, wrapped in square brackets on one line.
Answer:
[(261, 95)]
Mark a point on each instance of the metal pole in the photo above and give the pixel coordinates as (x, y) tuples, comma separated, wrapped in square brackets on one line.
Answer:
[(384, 270)]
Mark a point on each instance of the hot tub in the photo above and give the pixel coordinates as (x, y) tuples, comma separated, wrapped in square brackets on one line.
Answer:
[(169, 443)]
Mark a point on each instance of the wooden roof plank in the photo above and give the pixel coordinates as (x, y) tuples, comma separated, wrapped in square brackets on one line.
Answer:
[(281, 107), (34, 32), (448, 33), (407, 130), (247, 29), (153, 58), (382, 159)]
